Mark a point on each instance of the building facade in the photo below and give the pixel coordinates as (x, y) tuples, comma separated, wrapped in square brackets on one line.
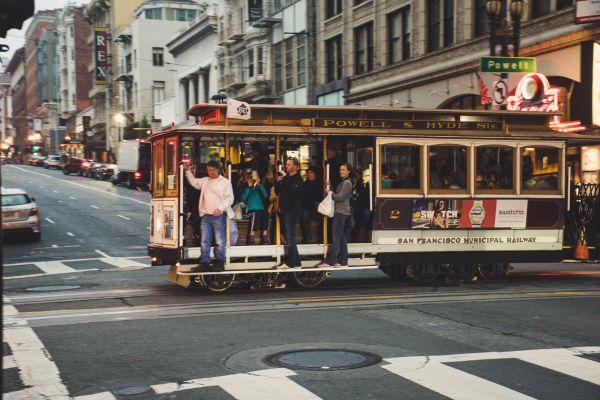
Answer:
[(194, 68), (105, 18), (72, 32), (18, 120), (146, 66)]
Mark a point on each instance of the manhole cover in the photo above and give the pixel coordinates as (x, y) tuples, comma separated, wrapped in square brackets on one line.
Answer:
[(323, 359), (132, 390), (51, 288)]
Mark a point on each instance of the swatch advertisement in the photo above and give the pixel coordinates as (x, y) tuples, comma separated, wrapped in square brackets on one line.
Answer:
[(468, 214)]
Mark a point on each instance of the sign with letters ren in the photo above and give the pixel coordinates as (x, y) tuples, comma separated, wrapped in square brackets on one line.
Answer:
[(100, 55), (408, 125)]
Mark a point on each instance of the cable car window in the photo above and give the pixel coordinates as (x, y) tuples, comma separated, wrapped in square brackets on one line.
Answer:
[(448, 168), (539, 169), (400, 168), (172, 167), (495, 169), (158, 176)]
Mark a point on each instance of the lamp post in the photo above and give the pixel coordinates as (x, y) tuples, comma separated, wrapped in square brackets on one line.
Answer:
[(501, 32)]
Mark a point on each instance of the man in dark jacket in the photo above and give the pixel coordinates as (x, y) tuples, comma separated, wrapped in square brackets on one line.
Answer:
[(288, 188), (311, 196)]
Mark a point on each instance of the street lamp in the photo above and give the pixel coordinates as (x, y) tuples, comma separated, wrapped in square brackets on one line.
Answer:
[(120, 120), (500, 29)]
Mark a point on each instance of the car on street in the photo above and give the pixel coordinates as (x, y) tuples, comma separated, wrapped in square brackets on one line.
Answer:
[(53, 161), (89, 168), (37, 160), (105, 171), (20, 213), (74, 166)]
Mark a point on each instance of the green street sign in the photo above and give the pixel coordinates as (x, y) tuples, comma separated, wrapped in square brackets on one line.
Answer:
[(507, 64)]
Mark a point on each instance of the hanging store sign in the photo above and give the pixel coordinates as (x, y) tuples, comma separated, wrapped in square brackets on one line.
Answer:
[(408, 125), (507, 64), (587, 11), (100, 55), (534, 94)]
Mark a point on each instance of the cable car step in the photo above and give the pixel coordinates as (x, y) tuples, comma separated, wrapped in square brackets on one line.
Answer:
[(274, 270)]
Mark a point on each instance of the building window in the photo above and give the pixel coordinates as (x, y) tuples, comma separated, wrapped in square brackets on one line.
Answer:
[(179, 14), (153, 13), (334, 7), (399, 35), (363, 48), (221, 68), (241, 12), (481, 18), (158, 91), (74, 99), (277, 65), (560, 4), (357, 2), (241, 68), (289, 64), (433, 25), (128, 63), (260, 61), (250, 63), (333, 49), (301, 60), (448, 22), (157, 56), (539, 8)]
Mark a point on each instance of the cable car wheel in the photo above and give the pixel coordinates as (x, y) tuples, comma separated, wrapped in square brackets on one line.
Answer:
[(423, 273), (269, 280), (218, 282), (494, 271), (397, 272), (309, 279), (463, 272)]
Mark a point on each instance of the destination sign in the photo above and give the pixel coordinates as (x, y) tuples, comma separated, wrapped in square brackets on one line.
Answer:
[(408, 125)]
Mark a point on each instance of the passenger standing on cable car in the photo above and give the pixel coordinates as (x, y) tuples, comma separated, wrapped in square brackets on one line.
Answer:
[(338, 252), (288, 188), (214, 206)]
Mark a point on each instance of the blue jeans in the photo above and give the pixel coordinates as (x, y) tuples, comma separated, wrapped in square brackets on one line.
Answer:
[(213, 227), (290, 220), (338, 252)]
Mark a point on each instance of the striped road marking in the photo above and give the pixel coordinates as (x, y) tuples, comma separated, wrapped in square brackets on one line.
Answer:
[(122, 262), (54, 267)]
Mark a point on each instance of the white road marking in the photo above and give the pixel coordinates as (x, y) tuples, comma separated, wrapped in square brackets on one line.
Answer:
[(43, 187), (37, 371), (83, 186), (70, 234), (49, 220), (93, 206), (60, 201), (97, 396), (269, 384), (122, 216), (55, 246), (8, 362), (564, 361), (54, 267), (122, 262), (55, 191), (103, 254), (448, 381), (70, 260), (56, 273), (73, 198)]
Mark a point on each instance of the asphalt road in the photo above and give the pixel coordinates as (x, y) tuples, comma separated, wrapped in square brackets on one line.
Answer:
[(115, 326)]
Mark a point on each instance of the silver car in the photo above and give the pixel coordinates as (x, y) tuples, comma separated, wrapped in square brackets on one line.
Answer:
[(53, 161), (20, 213)]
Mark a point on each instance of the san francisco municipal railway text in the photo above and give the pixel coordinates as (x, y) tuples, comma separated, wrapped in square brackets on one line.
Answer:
[(458, 240)]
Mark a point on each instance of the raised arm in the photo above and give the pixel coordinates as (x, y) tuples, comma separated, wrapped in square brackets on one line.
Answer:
[(195, 182)]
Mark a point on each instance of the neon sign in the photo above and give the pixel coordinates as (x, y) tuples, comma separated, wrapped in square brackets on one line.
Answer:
[(534, 94)]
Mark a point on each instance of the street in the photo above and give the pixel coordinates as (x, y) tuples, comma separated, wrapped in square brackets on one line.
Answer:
[(86, 317)]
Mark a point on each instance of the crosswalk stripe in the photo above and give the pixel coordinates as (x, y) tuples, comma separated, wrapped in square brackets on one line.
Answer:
[(54, 267), (96, 396), (448, 381), (563, 361), (8, 362), (269, 384), (122, 262)]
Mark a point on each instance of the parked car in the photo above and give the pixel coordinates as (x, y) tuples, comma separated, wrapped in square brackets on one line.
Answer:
[(90, 171), (53, 161), (73, 166), (20, 213), (105, 171), (86, 168), (37, 160)]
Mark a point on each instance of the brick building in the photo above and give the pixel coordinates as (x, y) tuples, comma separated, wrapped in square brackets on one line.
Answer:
[(18, 121)]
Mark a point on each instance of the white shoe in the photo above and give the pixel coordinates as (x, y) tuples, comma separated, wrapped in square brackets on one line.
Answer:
[(323, 264), (338, 265), (283, 266)]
